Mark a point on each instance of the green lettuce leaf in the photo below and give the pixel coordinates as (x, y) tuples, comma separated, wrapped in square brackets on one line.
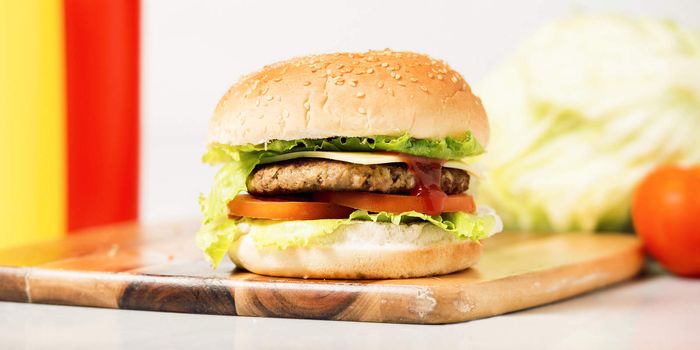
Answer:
[(215, 237), (217, 231), (284, 234), (461, 225), (448, 148)]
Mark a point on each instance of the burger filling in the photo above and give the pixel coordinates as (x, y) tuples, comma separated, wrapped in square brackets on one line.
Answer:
[(301, 190)]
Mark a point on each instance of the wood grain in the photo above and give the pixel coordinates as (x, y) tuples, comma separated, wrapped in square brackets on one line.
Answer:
[(131, 266)]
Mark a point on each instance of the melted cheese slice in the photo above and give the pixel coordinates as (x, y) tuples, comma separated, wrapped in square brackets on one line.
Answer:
[(366, 158)]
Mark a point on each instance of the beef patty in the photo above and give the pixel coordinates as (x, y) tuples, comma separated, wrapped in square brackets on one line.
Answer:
[(314, 175)]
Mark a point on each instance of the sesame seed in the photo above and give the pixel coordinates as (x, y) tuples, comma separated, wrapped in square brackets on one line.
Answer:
[(360, 94), (306, 105), (285, 113), (384, 64), (257, 102), (431, 75), (340, 66), (440, 77), (307, 83), (278, 79), (425, 89), (370, 70), (397, 76), (362, 110), (380, 84), (390, 90), (414, 80), (339, 81), (353, 82), (265, 90), (454, 79), (269, 97)]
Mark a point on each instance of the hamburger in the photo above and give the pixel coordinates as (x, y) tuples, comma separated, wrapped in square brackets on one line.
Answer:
[(349, 166)]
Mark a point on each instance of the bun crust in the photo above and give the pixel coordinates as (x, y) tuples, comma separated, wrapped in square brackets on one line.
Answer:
[(362, 251), (349, 94)]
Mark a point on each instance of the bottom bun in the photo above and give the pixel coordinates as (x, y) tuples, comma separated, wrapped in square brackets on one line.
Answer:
[(363, 250)]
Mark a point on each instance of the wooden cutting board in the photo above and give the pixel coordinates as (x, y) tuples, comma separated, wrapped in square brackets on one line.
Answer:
[(131, 266)]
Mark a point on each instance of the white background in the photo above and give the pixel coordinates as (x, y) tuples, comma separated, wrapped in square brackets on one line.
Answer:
[(193, 50)]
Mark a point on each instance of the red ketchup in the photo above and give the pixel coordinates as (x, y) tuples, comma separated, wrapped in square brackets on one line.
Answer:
[(427, 172)]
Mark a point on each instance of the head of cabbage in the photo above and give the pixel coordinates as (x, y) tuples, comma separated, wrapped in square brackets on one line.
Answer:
[(582, 111)]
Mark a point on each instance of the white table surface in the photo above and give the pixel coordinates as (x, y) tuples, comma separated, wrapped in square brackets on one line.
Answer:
[(653, 312)]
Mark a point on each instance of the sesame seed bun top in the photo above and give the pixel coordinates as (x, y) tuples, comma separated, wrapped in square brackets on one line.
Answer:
[(349, 94)]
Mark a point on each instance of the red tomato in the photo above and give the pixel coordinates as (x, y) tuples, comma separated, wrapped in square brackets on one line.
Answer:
[(666, 216), (393, 203), (281, 209)]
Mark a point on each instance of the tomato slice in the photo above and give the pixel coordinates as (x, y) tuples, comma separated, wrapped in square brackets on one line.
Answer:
[(281, 209), (393, 203)]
